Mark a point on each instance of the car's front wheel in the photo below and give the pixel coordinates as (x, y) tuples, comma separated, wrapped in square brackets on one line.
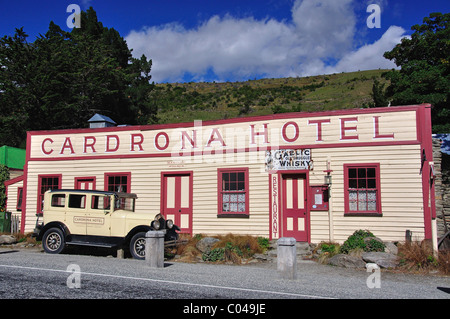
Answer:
[(137, 246), (53, 241)]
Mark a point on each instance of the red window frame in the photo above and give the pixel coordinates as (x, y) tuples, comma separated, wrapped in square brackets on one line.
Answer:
[(233, 181), (118, 181), (45, 183), (19, 198), (88, 179), (362, 195)]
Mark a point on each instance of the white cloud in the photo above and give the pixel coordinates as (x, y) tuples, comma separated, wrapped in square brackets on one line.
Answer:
[(370, 56), (319, 30)]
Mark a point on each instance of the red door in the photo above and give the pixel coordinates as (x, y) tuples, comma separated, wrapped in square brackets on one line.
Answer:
[(85, 183), (295, 214), (176, 199)]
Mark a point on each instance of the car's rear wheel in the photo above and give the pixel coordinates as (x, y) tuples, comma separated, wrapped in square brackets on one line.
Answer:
[(53, 241), (137, 246)]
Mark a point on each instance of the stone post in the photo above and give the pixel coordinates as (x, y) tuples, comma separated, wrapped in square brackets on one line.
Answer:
[(154, 249), (287, 257)]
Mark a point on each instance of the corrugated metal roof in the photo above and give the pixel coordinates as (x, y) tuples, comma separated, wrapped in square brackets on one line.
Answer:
[(12, 157), (101, 118)]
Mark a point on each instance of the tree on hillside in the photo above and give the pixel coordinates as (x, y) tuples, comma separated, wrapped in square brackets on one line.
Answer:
[(64, 78), (424, 76), (378, 95)]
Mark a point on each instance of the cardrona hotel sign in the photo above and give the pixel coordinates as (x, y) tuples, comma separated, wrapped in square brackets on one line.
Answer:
[(221, 137)]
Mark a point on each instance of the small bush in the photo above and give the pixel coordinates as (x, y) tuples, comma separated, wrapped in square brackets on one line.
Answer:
[(356, 241), (244, 245), (216, 254), (228, 253), (418, 257), (326, 250), (229, 248), (188, 251), (374, 245), (264, 243)]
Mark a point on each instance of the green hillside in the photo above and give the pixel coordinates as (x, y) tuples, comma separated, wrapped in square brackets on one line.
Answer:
[(186, 102)]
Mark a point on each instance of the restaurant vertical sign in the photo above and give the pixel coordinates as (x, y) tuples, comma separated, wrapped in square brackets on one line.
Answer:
[(274, 205)]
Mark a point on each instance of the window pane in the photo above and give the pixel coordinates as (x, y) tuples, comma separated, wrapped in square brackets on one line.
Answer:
[(362, 196), (233, 177), (371, 183), (372, 205), (353, 206), (241, 207), (233, 207), (19, 198), (226, 198), (77, 201), (225, 181), (241, 198), (361, 206), (361, 173), (371, 172), (372, 195), (352, 172), (58, 200), (225, 207), (241, 177), (125, 204), (100, 202), (233, 198), (352, 195), (362, 183)]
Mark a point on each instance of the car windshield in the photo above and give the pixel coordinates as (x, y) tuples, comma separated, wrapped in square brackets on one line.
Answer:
[(124, 203)]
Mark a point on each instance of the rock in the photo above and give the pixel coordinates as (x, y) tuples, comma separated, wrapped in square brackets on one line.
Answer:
[(7, 239), (303, 246), (343, 260), (205, 244), (263, 257), (384, 260), (391, 248)]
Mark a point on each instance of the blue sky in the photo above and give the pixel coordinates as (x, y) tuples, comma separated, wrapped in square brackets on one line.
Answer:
[(210, 40)]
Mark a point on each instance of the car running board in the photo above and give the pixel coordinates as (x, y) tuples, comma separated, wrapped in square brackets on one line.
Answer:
[(92, 244)]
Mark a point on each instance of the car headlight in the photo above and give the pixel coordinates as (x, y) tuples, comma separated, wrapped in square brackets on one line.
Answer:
[(169, 223), (156, 225)]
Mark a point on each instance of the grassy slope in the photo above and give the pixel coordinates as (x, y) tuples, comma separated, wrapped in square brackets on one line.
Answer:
[(186, 102)]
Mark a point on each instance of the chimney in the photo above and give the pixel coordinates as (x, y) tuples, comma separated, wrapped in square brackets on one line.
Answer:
[(99, 120)]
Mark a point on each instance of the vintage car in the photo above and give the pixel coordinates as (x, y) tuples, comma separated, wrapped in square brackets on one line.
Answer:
[(97, 218)]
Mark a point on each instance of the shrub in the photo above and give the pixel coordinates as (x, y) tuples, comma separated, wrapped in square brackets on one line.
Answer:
[(264, 243), (418, 257), (216, 254), (228, 253), (244, 245), (356, 241), (230, 248), (374, 245), (327, 250)]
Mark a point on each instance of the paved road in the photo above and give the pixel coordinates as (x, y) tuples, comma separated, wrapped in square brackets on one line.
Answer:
[(32, 274)]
